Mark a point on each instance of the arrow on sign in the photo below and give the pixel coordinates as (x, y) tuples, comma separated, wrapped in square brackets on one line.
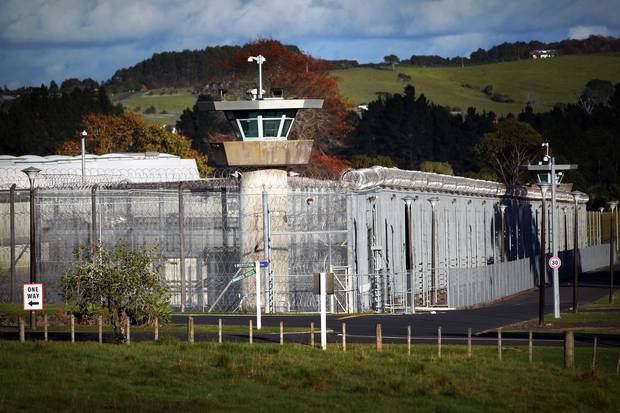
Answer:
[(31, 303)]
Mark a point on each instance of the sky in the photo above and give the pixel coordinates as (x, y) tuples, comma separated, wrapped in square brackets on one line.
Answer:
[(44, 40)]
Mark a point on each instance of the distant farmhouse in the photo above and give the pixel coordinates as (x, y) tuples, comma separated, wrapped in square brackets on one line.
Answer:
[(543, 54)]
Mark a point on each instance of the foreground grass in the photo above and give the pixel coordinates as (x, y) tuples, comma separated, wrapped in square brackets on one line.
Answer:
[(544, 82), (603, 302), (172, 376)]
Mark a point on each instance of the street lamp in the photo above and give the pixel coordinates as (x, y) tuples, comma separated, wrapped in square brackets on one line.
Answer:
[(32, 172), (544, 187), (551, 174), (260, 60), (84, 135), (577, 196), (433, 201), (612, 249)]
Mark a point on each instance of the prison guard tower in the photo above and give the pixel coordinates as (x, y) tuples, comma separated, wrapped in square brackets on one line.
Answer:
[(261, 126)]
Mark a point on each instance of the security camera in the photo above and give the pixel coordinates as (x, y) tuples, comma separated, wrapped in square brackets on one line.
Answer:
[(250, 59), (546, 158)]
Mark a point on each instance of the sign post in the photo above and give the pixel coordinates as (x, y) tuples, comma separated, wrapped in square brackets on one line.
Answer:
[(257, 267), (33, 297), (323, 298)]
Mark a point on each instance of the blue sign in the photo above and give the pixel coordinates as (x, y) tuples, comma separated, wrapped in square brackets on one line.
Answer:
[(264, 264)]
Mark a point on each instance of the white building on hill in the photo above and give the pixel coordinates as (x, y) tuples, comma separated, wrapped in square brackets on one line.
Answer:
[(110, 168)]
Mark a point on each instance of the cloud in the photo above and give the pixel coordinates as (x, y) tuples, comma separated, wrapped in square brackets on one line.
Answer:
[(583, 32), (44, 38)]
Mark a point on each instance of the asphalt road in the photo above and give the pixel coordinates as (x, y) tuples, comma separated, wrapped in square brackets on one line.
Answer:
[(454, 323), (483, 321)]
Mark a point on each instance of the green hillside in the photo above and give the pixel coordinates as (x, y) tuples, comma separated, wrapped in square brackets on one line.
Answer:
[(170, 101), (544, 82)]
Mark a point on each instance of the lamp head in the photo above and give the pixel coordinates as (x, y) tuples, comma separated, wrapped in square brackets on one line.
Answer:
[(433, 201), (84, 134), (31, 172), (612, 205)]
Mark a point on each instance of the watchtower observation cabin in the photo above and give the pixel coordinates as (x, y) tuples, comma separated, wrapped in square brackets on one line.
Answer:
[(262, 126)]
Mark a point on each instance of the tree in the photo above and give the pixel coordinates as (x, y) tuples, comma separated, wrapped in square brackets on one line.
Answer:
[(443, 168), (511, 145), (120, 283), (130, 133), (392, 60), (365, 161), (596, 93)]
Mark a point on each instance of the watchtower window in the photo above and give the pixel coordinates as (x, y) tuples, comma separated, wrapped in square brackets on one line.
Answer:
[(261, 125)]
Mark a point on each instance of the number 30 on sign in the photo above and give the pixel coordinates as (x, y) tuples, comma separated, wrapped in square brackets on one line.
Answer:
[(555, 262)]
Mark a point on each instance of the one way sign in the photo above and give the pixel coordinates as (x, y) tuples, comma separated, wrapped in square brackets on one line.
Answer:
[(33, 297)]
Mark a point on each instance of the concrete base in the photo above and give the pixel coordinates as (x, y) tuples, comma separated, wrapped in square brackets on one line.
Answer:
[(274, 182)]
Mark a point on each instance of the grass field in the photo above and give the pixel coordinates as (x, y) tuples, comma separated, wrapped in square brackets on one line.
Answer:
[(544, 81), (173, 101), (174, 376)]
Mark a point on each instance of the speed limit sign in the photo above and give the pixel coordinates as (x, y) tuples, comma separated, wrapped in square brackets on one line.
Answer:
[(555, 262)]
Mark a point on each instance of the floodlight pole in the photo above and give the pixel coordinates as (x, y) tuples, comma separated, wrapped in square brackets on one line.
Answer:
[(554, 244), (576, 195), (551, 168), (260, 59), (84, 135), (543, 255), (32, 173), (323, 298)]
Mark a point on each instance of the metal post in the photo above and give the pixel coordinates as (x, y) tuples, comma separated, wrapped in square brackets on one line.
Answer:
[(84, 135), (409, 252), (323, 297), (33, 252), (502, 233), (554, 243), (258, 304), (433, 202), (267, 250), (612, 249), (182, 245), (93, 217), (543, 261), (576, 258), (12, 230)]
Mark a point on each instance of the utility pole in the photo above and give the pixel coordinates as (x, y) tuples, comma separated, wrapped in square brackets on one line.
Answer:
[(549, 174)]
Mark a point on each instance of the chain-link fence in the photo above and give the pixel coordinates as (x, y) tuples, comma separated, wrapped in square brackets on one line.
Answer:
[(393, 242)]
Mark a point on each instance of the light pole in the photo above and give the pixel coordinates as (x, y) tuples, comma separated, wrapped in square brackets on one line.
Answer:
[(84, 135), (433, 201), (550, 177), (577, 195), (612, 249), (260, 60), (32, 172), (544, 187)]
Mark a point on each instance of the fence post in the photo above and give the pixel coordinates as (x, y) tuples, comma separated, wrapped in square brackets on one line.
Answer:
[(408, 340), (22, 330), (45, 327), (219, 330), (250, 336), (344, 337), (569, 350), (469, 342), (72, 323), (439, 342), (530, 346), (499, 344), (379, 338), (128, 329), (156, 333), (312, 334), (182, 245), (281, 333), (12, 240), (594, 354), (100, 324), (190, 330)]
